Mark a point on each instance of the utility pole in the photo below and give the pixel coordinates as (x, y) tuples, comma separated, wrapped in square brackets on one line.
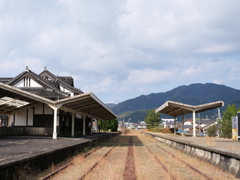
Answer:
[(199, 123)]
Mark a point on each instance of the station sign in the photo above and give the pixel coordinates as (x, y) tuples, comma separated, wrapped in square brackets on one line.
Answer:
[(236, 127)]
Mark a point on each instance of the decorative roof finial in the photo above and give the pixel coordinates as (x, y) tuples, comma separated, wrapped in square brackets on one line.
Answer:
[(26, 68), (45, 68)]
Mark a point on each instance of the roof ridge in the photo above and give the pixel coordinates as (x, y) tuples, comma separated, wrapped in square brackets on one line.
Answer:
[(59, 79), (47, 83), (38, 78), (15, 78)]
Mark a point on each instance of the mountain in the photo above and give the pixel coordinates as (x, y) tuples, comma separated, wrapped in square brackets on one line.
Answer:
[(193, 94), (110, 105)]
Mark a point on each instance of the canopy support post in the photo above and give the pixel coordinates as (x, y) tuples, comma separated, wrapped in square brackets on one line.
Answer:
[(194, 128), (182, 123), (55, 109), (174, 124)]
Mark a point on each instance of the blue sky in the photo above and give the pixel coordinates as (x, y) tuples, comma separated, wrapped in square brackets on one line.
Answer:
[(122, 49)]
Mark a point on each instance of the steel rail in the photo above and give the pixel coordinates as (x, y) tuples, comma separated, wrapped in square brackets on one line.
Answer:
[(193, 168), (65, 166), (95, 164), (159, 161)]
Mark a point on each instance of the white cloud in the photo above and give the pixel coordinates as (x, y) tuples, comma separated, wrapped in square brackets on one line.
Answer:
[(215, 49), (150, 76), (121, 49)]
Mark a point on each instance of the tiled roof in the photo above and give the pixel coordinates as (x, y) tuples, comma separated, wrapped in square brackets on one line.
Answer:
[(68, 80), (47, 93), (51, 86), (5, 80), (64, 81), (38, 79)]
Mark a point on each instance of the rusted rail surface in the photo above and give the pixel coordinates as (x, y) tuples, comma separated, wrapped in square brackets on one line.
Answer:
[(85, 155), (193, 168), (55, 172), (65, 166)]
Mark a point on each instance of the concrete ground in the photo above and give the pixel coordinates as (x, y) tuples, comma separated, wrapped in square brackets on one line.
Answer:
[(227, 144), (13, 148)]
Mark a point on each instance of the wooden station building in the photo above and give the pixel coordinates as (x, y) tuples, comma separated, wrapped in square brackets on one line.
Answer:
[(48, 104)]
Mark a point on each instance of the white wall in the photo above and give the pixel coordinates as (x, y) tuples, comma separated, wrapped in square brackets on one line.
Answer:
[(20, 118), (34, 83), (30, 117), (64, 89), (47, 109), (78, 116), (187, 123), (11, 120), (38, 109), (19, 84)]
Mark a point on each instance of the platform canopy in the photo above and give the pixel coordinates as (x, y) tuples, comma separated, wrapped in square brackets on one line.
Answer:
[(13, 100), (176, 109)]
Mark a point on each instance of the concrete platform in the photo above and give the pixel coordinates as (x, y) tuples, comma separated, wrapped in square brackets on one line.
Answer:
[(223, 153), (40, 151), (227, 144)]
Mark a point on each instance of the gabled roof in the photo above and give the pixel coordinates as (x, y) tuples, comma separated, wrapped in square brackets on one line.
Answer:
[(66, 82), (45, 84)]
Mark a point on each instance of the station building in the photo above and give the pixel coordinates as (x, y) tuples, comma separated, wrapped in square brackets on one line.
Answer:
[(48, 104)]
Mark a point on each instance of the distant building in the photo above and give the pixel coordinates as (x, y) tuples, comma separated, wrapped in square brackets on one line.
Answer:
[(167, 123)]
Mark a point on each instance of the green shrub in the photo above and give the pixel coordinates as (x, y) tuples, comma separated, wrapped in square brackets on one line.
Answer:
[(211, 131)]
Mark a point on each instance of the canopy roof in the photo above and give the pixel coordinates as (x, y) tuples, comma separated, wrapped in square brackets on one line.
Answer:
[(14, 99), (176, 109)]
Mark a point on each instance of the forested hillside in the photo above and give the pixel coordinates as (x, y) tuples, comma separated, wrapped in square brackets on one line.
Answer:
[(193, 94)]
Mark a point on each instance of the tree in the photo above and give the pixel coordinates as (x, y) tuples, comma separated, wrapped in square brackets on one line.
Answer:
[(211, 131), (111, 125), (226, 122), (152, 119)]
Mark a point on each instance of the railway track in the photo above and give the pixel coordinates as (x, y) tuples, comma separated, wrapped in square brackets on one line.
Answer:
[(49, 176), (190, 166), (132, 157), (174, 160)]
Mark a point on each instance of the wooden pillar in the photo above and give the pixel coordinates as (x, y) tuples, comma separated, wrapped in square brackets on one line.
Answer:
[(73, 121), (91, 126), (84, 125), (27, 117)]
